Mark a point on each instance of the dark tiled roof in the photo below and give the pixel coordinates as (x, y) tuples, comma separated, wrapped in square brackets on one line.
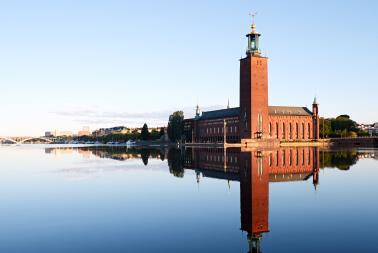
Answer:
[(287, 177), (273, 110), (289, 111), (223, 113)]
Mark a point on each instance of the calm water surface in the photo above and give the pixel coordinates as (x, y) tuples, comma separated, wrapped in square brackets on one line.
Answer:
[(88, 199)]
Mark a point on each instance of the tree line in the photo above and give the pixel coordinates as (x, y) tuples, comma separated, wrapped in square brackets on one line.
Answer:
[(341, 126)]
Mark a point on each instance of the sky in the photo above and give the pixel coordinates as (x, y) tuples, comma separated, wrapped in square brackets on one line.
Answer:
[(69, 64)]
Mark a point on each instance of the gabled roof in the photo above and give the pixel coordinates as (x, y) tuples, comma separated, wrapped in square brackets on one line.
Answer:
[(223, 113), (289, 111)]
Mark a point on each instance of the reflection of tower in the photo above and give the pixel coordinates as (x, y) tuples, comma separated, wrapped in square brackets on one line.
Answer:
[(254, 197), (316, 166)]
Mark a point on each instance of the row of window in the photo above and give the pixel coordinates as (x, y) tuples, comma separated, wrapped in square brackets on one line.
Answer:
[(219, 130), (230, 139), (293, 133), (220, 158), (283, 158)]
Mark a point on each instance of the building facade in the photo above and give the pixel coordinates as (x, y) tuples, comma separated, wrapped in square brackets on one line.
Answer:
[(254, 119)]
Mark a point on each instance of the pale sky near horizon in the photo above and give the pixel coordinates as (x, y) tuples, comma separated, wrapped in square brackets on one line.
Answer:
[(69, 64)]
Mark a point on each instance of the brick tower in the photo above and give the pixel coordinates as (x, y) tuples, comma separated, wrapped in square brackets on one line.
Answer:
[(253, 90), (315, 120)]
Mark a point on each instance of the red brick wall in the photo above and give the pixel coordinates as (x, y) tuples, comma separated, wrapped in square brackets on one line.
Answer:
[(303, 132), (253, 95), (213, 130)]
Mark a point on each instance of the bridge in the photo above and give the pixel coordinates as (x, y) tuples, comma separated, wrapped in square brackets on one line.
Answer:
[(25, 139)]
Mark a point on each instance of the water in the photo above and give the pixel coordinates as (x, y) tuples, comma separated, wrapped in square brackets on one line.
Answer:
[(88, 199)]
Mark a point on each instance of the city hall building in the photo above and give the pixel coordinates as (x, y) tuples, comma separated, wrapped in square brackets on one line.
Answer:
[(254, 120)]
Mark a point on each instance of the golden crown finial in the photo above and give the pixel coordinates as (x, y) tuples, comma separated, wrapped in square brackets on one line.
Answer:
[(253, 26)]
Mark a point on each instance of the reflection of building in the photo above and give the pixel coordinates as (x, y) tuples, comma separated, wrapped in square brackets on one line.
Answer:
[(254, 119), (255, 170), (254, 197), (59, 151)]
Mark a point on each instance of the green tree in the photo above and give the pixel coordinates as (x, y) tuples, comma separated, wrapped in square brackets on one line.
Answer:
[(325, 128), (343, 122), (161, 133), (176, 126), (176, 162), (145, 135), (145, 154)]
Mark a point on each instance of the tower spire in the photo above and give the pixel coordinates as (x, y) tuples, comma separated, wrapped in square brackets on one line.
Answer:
[(253, 26), (253, 38), (197, 111)]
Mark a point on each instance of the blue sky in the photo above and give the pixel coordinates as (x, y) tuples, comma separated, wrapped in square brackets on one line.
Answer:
[(68, 64)]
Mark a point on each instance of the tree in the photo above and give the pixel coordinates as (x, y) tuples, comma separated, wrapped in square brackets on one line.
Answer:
[(176, 126), (161, 133), (176, 162), (325, 127), (343, 122), (145, 154), (145, 135)]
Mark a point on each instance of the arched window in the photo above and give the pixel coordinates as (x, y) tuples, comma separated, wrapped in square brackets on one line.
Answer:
[(296, 131), (303, 156), (283, 131), (277, 155), (303, 131), (270, 129), (259, 123), (309, 131), (277, 131), (290, 131), (270, 159)]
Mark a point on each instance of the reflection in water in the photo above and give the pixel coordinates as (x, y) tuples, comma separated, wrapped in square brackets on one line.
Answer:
[(254, 170)]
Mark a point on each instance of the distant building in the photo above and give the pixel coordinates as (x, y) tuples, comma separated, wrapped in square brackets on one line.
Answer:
[(111, 130), (373, 129), (364, 127), (64, 133), (121, 130), (49, 134), (57, 133), (84, 132)]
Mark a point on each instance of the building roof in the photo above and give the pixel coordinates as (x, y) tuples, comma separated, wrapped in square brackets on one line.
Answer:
[(223, 113), (289, 111), (273, 110)]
